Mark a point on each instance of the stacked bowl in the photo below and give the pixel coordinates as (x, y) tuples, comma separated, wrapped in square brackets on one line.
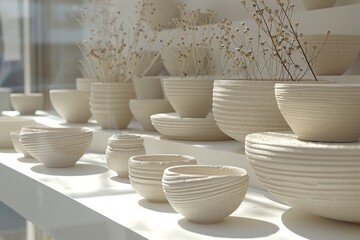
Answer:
[(241, 107), (321, 178), (146, 171), (338, 52), (56, 147), (109, 104), (190, 97), (205, 194)]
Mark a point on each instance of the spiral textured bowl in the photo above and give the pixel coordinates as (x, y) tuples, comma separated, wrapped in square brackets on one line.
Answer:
[(320, 178), (205, 194)]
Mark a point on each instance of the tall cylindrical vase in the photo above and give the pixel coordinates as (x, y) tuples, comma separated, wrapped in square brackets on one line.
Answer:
[(109, 104)]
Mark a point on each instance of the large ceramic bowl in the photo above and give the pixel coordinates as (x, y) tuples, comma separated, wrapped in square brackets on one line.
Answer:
[(320, 178), (56, 147), (9, 124), (321, 112), (338, 52), (27, 104), (72, 105), (241, 107), (146, 171), (205, 194)]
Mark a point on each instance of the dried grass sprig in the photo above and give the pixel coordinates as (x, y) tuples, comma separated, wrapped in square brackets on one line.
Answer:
[(276, 50), (112, 52), (192, 48)]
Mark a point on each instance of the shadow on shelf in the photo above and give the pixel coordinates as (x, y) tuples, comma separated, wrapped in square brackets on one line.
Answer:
[(158, 207), (120, 180), (80, 169), (311, 226), (232, 227), (27, 160)]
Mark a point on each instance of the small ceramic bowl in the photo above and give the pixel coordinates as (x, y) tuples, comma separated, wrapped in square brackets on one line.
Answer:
[(70, 104), (203, 193), (27, 104), (145, 173)]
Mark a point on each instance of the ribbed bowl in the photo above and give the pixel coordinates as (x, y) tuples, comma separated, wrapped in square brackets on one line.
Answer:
[(321, 112), (321, 178), (56, 147), (338, 52), (205, 194), (241, 107), (145, 173)]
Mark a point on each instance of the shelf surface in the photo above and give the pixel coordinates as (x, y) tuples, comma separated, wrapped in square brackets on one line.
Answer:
[(90, 202)]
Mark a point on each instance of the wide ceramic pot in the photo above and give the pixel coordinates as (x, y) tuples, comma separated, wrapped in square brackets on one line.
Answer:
[(320, 178), (324, 112), (109, 104), (241, 107)]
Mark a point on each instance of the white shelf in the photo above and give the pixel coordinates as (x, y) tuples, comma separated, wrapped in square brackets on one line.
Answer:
[(89, 202)]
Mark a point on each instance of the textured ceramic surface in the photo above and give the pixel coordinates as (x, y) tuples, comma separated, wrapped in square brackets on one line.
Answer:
[(109, 104), (72, 105), (317, 4), (56, 147), (15, 138), (242, 107), (337, 55), (190, 97), (172, 126), (145, 173), (120, 148), (143, 109), (9, 124), (321, 112), (205, 194), (321, 178), (27, 104)]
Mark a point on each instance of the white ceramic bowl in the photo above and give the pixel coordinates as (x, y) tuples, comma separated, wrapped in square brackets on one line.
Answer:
[(190, 97), (145, 183), (320, 178), (70, 104), (205, 194), (337, 55), (143, 109), (56, 147), (159, 14), (321, 112), (317, 4), (241, 107), (27, 104), (9, 124)]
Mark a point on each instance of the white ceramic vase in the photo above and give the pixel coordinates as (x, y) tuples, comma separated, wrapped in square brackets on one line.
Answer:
[(120, 148), (109, 104)]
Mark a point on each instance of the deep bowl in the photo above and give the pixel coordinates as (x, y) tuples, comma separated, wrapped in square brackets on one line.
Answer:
[(203, 193), (27, 104)]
